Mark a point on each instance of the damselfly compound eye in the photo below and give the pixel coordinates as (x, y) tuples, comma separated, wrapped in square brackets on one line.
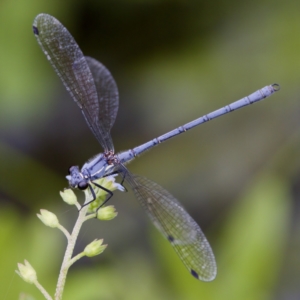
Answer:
[(82, 185)]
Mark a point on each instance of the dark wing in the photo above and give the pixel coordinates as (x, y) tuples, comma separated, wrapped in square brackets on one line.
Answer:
[(176, 225), (71, 66)]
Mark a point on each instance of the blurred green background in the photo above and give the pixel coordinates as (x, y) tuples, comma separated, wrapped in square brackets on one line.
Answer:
[(238, 176)]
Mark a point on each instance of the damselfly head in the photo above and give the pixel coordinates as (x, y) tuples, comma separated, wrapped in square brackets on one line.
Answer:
[(76, 179)]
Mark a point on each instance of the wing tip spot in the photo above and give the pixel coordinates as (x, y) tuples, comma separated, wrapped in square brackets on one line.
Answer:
[(195, 274), (170, 238), (35, 30)]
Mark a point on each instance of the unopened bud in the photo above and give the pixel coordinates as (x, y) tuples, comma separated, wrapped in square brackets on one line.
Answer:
[(26, 272), (107, 213), (48, 218), (94, 248), (69, 196)]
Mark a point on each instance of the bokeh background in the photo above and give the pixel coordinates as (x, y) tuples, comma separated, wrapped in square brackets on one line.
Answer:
[(238, 176)]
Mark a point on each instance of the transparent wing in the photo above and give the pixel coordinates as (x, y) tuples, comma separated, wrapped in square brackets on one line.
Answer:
[(176, 225), (71, 66), (107, 90)]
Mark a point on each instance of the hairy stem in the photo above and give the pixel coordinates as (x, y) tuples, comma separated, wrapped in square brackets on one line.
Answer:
[(68, 254)]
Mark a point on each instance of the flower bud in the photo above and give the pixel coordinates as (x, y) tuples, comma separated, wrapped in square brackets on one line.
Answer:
[(107, 213), (27, 272), (109, 183), (94, 248), (48, 218), (69, 196)]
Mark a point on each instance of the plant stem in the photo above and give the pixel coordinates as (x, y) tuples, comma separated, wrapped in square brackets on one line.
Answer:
[(42, 290), (90, 216), (64, 231), (75, 258), (68, 254)]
